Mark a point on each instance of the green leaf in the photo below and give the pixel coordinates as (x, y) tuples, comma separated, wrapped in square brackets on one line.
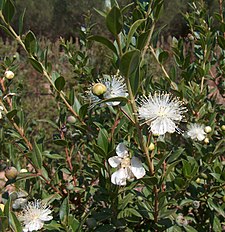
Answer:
[(163, 56), (73, 223), (8, 11), (31, 42), (216, 224), (186, 169), (132, 30), (54, 125), (213, 206), (36, 65), (60, 83), (129, 62), (11, 114), (142, 39), (21, 18), (14, 222), (102, 140), (50, 155), (104, 41), (64, 211), (60, 142), (37, 156), (114, 20), (7, 31)]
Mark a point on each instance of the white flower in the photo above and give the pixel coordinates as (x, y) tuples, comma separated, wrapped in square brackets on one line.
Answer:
[(128, 168), (115, 87), (34, 215), (161, 112), (196, 131)]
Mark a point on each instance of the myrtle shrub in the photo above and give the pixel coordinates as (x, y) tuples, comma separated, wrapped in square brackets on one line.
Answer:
[(132, 143)]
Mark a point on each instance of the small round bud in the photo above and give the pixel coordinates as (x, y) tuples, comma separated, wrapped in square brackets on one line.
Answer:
[(208, 129), (223, 127), (11, 173), (2, 207), (99, 89), (23, 170), (224, 198), (196, 204), (198, 180), (9, 74), (71, 119), (151, 147), (204, 175), (206, 140)]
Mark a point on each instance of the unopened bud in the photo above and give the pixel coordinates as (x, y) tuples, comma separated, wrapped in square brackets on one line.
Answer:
[(2, 207), (208, 129), (11, 173), (98, 89), (9, 74), (151, 147), (206, 140), (223, 127), (23, 170), (71, 119)]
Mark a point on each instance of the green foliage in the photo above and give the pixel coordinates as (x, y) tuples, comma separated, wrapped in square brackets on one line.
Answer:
[(70, 143)]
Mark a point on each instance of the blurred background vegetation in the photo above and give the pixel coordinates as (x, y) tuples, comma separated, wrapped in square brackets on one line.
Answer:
[(54, 18)]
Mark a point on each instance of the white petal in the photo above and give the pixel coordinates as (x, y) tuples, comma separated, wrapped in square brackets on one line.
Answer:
[(34, 225), (121, 150), (45, 216), (161, 126), (119, 177), (137, 168), (114, 161), (200, 136)]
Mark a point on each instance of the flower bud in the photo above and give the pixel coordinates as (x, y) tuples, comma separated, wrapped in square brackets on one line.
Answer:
[(198, 180), (208, 129), (23, 170), (11, 173), (206, 140), (151, 147), (2, 207), (71, 119), (196, 204), (9, 74), (223, 127), (98, 89), (223, 198)]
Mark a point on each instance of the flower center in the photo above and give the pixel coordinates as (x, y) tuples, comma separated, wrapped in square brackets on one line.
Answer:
[(125, 162), (162, 111)]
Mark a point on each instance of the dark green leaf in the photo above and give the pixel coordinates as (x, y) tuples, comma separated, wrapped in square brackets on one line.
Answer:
[(36, 65), (8, 11), (102, 140), (11, 114), (104, 41), (64, 211), (21, 18), (114, 20), (31, 42), (163, 56), (60, 142), (6, 30), (133, 29), (129, 62), (60, 83), (37, 155)]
